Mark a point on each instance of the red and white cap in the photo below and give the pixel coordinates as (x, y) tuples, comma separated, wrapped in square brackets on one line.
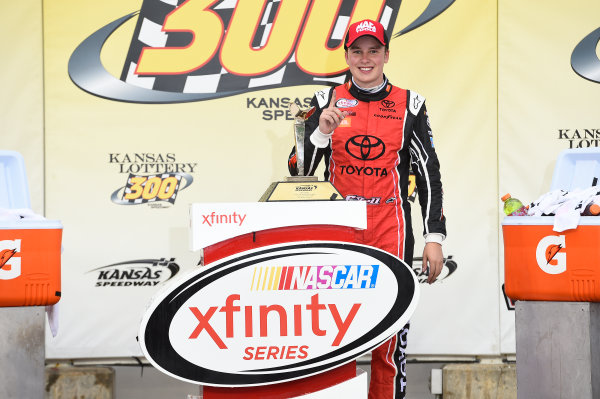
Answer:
[(366, 27)]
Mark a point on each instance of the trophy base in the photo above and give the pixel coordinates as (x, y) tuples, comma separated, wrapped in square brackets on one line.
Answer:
[(301, 188), (302, 179)]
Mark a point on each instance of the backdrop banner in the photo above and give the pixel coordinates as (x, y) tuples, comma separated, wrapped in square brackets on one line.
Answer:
[(21, 98), (152, 105), (549, 91)]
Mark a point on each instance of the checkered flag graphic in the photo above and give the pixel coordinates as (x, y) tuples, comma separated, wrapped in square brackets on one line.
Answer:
[(155, 189), (212, 77)]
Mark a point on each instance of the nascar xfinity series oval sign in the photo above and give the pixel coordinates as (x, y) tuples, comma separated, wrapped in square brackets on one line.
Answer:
[(278, 313)]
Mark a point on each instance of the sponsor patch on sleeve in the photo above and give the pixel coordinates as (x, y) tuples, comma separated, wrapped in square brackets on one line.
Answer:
[(416, 101), (322, 97)]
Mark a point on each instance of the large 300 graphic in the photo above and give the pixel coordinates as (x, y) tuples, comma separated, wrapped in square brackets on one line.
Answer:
[(202, 49), (145, 189), (236, 55)]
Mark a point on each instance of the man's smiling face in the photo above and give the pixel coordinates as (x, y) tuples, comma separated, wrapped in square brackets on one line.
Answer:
[(366, 57)]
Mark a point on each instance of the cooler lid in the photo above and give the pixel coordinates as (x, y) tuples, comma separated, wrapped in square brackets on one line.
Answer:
[(30, 224), (576, 168), (545, 220), (14, 190)]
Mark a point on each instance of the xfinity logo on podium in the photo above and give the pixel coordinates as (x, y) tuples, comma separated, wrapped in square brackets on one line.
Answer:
[(278, 313), (215, 222)]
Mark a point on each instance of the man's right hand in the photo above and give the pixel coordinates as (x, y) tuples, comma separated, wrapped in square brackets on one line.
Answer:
[(331, 116)]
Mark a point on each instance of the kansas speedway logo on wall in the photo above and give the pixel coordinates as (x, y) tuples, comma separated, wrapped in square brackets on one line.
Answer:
[(278, 313), (193, 50), (135, 273)]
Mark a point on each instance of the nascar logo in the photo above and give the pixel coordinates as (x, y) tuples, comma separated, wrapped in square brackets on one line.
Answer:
[(314, 277)]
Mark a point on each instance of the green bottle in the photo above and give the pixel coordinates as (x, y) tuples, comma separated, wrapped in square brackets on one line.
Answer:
[(513, 207)]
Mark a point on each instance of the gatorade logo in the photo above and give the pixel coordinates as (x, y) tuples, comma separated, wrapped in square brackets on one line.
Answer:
[(10, 264), (550, 255)]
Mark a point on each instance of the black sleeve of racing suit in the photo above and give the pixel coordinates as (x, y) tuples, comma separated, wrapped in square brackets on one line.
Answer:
[(426, 167), (312, 155)]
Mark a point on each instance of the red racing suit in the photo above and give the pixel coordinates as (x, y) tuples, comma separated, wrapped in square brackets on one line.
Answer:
[(368, 158)]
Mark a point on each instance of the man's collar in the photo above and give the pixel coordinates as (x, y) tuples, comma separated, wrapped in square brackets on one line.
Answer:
[(364, 96)]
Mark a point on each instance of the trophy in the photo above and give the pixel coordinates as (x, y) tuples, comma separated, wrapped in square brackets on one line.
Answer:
[(300, 187), (300, 116)]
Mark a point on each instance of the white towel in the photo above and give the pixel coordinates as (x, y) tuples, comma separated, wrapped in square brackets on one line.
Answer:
[(548, 203), (52, 313), (595, 199), (565, 206), (7, 214), (567, 216)]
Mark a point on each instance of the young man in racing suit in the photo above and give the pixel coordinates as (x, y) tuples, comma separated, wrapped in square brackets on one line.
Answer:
[(369, 132)]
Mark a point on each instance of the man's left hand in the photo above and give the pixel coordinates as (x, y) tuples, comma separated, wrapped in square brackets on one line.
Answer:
[(433, 260)]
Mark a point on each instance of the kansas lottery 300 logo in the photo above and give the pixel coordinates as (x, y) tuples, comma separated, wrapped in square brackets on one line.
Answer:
[(193, 50), (152, 178)]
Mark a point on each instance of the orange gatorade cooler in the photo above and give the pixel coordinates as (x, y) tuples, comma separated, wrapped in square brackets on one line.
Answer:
[(543, 265), (29, 247), (30, 262)]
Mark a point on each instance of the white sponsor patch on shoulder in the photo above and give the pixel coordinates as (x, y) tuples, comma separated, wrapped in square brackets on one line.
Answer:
[(416, 101), (346, 103), (323, 97)]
